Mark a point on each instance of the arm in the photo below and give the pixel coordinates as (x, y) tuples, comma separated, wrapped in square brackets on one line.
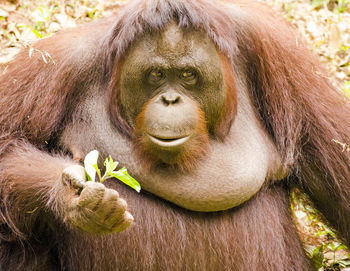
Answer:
[(37, 186), (329, 188)]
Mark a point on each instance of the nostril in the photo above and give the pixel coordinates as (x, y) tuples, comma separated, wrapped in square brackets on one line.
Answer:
[(165, 101), (170, 99)]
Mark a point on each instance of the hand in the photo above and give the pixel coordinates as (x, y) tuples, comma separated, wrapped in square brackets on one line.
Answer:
[(90, 205)]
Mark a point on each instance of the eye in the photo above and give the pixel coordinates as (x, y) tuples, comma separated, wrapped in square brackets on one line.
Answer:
[(189, 76), (155, 75)]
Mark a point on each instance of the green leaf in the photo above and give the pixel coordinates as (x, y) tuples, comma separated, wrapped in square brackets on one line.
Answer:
[(49, 57), (90, 164), (317, 257), (124, 176), (343, 263), (37, 33), (110, 165), (341, 246), (333, 246), (32, 211), (42, 14), (98, 172), (346, 88), (318, 3)]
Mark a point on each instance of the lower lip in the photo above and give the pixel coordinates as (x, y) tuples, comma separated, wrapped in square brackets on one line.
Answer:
[(168, 142)]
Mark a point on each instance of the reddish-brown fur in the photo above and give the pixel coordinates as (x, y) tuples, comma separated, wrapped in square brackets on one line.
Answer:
[(115, 108), (230, 109), (297, 105)]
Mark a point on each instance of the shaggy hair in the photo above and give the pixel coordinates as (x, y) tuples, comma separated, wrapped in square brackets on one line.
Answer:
[(295, 102)]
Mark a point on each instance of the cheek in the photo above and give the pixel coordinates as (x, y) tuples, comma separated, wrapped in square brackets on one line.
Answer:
[(216, 102), (131, 102), (212, 103)]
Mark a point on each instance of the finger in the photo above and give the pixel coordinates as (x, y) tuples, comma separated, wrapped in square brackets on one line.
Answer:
[(124, 223), (77, 184), (116, 212), (93, 227), (91, 196), (107, 204), (88, 221), (74, 176)]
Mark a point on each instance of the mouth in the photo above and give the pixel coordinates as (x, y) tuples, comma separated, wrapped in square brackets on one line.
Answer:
[(168, 141)]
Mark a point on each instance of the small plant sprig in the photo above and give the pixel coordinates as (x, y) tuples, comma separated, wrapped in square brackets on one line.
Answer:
[(91, 170), (346, 147)]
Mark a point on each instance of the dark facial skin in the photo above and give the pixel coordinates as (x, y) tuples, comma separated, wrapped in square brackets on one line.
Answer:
[(173, 63), (165, 88)]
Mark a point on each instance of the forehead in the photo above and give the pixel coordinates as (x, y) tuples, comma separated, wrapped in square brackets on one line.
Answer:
[(174, 47)]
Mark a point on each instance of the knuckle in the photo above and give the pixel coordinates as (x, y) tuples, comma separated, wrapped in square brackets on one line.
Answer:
[(124, 223), (73, 175), (122, 204), (89, 199), (128, 217), (95, 186), (74, 170), (111, 194)]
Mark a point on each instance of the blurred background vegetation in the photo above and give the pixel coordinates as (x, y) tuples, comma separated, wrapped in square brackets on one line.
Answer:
[(325, 24)]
